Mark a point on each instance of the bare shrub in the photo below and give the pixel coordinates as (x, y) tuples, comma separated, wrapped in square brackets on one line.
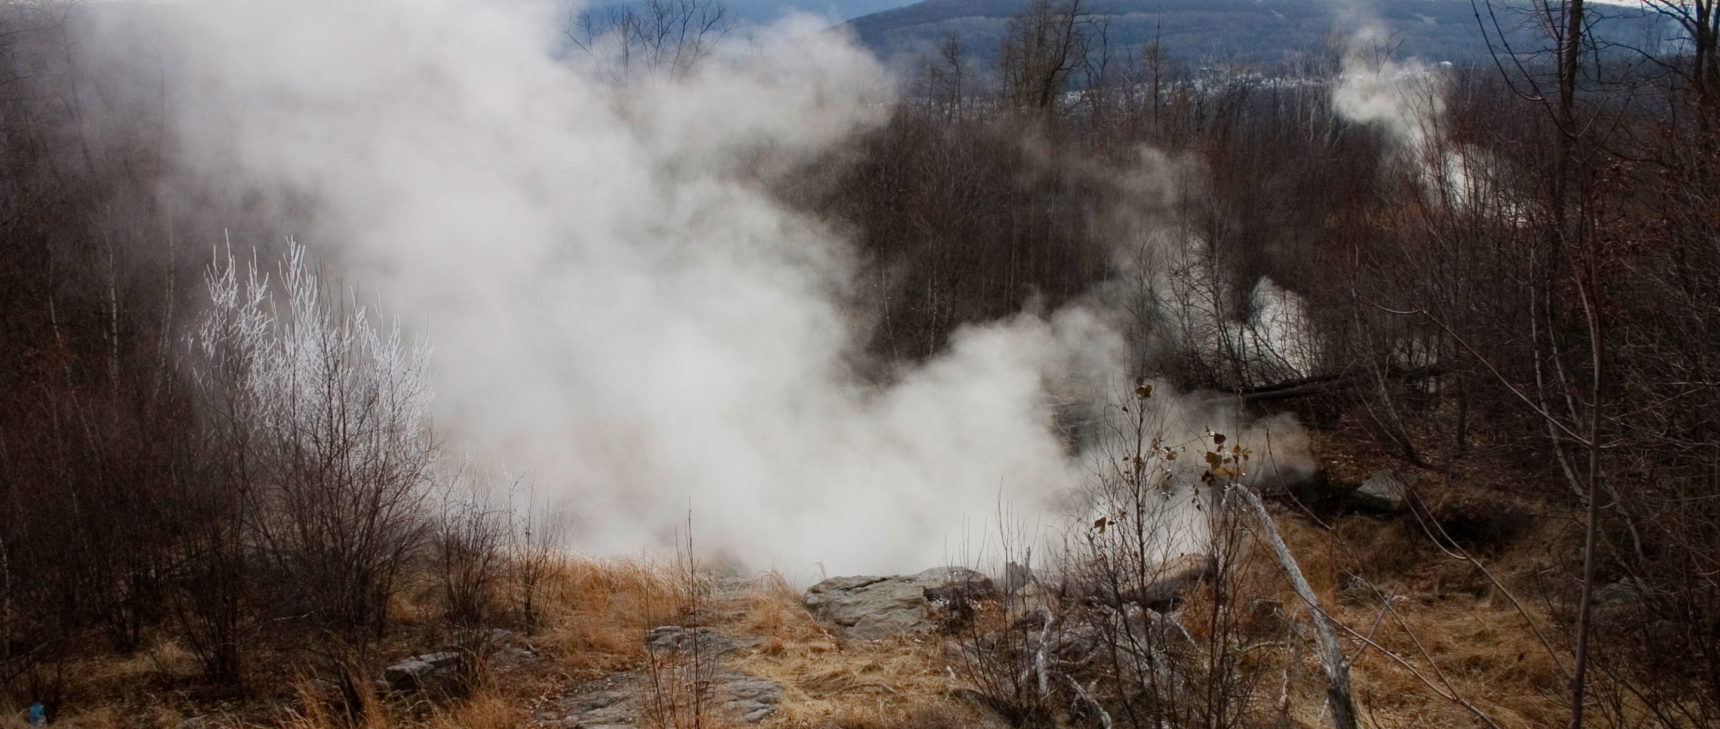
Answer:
[(1159, 613), (328, 445), (468, 544), (537, 533)]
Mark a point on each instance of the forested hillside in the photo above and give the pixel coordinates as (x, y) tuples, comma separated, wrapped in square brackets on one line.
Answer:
[(1274, 36)]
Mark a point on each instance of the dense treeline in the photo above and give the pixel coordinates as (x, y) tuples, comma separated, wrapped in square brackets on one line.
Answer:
[(1522, 263), (93, 451)]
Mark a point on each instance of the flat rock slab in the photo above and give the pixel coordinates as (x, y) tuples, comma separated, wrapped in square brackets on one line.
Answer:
[(710, 642), (419, 671), (750, 698), (610, 701), (870, 608), (614, 701)]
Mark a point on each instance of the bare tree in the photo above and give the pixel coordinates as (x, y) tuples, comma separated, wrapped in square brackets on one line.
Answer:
[(948, 81), (658, 36), (1043, 46)]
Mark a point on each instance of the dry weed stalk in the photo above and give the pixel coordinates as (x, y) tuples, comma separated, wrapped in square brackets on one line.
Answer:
[(678, 683)]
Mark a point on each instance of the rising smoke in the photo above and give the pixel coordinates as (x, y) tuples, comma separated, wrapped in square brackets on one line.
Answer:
[(617, 306), (1406, 99)]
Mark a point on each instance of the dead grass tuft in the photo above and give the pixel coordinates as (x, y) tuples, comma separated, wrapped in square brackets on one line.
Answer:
[(316, 707), (824, 679), (485, 710), (417, 603), (596, 611), (942, 714), (774, 613)]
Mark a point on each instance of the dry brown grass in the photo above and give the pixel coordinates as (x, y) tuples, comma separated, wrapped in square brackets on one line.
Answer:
[(313, 711), (486, 710), (1446, 623), (161, 663), (1477, 639), (938, 714), (140, 689), (595, 614), (416, 603), (773, 612), (597, 611)]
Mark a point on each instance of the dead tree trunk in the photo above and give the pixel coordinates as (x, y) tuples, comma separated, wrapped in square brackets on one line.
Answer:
[(1331, 653)]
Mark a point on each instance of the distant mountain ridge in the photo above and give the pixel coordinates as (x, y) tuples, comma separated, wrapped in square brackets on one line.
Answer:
[(769, 11), (1258, 31)]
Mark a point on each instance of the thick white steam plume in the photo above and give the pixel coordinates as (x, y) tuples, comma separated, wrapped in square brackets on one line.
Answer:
[(616, 306)]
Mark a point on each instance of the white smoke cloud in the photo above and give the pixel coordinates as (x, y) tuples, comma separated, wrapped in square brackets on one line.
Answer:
[(1408, 100), (616, 307), (1171, 290)]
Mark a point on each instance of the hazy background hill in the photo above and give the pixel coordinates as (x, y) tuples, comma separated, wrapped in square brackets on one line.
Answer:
[(1209, 31), (1238, 30), (764, 12)]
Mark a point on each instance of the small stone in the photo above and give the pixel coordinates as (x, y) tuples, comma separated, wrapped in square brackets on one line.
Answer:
[(1015, 577), (1355, 590), (416, 672), (1624, 592), (1385, 491)]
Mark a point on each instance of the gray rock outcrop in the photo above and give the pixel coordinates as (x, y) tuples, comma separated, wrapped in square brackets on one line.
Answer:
[(870, 608)]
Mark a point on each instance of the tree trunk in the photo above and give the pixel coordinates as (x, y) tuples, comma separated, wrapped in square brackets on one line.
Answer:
[(1331, 653)]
